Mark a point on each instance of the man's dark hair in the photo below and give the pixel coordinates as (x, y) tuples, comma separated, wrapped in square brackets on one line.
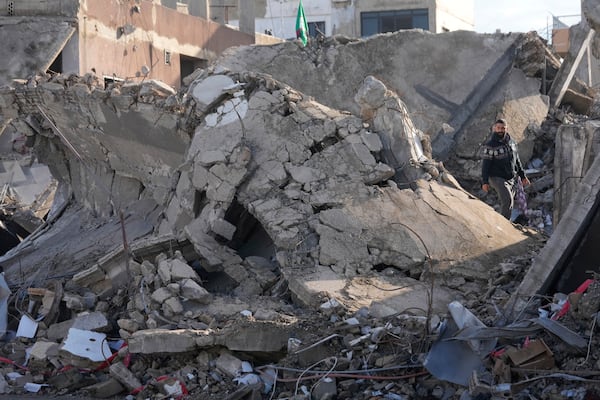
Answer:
[(500, 121)]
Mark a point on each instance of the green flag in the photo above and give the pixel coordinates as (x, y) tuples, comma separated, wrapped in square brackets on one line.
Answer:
[(301, 25)]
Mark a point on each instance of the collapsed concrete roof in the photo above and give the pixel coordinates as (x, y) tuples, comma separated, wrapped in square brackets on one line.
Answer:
[(244, 165), (454, 83), (241, 184)]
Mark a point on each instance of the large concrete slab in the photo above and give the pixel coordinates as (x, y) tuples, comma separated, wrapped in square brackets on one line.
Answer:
[(454, 84), (549, 265), (34, 44)]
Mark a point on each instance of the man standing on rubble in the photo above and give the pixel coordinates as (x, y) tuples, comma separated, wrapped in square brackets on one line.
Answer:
[(501, 167)]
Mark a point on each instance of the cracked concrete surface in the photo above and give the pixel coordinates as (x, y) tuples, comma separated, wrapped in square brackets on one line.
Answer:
[(335, 194), (254, 190)]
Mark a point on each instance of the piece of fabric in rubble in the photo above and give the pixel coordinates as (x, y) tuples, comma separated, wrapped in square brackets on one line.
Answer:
[(520, 197)]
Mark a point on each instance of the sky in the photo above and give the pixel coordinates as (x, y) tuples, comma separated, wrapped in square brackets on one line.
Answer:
[(523, 15)]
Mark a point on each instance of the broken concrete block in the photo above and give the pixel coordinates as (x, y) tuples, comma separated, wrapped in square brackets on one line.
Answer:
[(41, 350), (228, 364), (89, 276), (200, 177), (161, 294), (173, 288), (103, 289), (275, 171), (155, 88), (181, 270), (105, 389), (211, 157), (222, 192), (164, 271), (193, 291), (337, 247), (68, 379), (148, 270), (325, 388), (128, 325), (151, 341), (256, 336), (172, 306), (364, 155), (234, 176), (93, 321), (124, 376), (223, 228), (372, 141), (171, 387), (304, 174), (75, 302), (205, 245), (210, 89), (236, 272)]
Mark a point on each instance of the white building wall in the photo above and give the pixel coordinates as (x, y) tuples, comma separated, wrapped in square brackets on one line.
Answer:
[(454, 15), (281, 15), (343, 16)]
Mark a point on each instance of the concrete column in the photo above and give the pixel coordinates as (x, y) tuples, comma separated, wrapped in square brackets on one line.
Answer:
[(246, 12)]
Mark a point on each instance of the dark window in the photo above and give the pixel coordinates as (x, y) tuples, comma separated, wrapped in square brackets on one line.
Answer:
[(189, 65), (391, 21), (316, 28)]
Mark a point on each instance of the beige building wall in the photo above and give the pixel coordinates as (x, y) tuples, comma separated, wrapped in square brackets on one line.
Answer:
[(117, 42), (64, 8)]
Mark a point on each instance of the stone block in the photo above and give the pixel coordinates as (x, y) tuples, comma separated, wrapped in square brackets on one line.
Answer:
[(128, 324), (160, 295), (193, 291), (148, 269), (228, 364), (172, 306), (42, 350), (223, 228), (164, 271), (256, 337), (124, 376), (153, 341), (181, 270), (372, 141), (236, 272)]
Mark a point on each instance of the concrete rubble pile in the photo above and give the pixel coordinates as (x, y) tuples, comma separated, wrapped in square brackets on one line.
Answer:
[(242, 239)]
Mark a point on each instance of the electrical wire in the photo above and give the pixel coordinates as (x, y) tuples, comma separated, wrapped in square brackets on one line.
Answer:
[(305, 371), (590, 342), (353, 376), (324, 376), (359, 371)]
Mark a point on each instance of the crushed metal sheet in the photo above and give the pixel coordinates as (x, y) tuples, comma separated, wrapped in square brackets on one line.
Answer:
[(452, 361)]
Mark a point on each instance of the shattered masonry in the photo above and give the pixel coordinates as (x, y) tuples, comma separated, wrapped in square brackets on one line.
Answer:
[(248, 204)]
